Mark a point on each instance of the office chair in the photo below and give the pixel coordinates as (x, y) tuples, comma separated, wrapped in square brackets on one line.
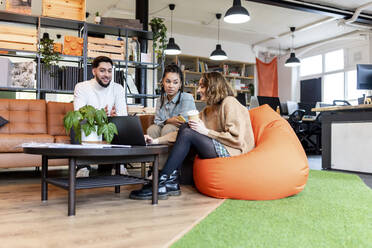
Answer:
[(295, 120), (314, 129), (341, 102)]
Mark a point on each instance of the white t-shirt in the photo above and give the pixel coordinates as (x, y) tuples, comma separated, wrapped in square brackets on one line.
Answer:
[(91, 93)]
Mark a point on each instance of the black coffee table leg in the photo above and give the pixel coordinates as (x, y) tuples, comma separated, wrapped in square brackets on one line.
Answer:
[(117, 172), (155, 180), (44, 175), (71, 186)]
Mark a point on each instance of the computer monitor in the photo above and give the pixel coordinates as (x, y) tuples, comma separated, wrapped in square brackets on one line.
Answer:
[(364, 77), (273, 102), (307, 106)]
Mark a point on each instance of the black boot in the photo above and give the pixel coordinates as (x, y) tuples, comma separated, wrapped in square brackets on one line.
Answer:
[(172, 184), (146, 192)]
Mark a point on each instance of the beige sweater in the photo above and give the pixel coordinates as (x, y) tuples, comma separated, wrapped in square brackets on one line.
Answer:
[(229, 123)]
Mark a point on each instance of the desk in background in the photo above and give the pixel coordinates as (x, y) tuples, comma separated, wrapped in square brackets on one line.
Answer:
[(347, 137)]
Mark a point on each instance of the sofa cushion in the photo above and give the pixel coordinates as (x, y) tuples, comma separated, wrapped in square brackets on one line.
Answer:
[(146, 121), (3, 121), (24, 116), (13, 142), (55, 113), (62, 139)]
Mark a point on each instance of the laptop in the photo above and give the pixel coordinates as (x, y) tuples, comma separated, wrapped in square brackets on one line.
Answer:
[(129, 131)]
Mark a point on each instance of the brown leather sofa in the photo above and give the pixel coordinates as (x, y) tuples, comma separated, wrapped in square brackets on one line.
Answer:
[(30, 121), (35, 121)]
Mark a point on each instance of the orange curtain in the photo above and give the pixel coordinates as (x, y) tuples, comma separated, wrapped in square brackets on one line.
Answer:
[(267, 78)]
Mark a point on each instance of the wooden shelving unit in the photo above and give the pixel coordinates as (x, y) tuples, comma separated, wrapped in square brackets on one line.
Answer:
[(239, 74)]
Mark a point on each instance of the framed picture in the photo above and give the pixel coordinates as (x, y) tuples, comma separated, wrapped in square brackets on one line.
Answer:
[(19, 6)]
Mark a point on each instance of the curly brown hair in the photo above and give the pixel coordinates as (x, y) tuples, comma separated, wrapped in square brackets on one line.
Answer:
[(217, 88)]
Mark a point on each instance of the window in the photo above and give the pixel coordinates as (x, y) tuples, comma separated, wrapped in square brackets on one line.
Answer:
[(333, 87), (338, 83), (334, 61), (311, 65)]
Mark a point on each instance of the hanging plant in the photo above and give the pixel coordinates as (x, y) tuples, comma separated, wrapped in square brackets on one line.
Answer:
[(46, 51), (160, 35)]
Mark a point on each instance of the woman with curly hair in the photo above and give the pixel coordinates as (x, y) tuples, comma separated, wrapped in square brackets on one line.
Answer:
[(224, 129)]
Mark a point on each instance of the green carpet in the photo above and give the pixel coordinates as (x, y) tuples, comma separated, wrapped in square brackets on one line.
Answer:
[(334, 210)]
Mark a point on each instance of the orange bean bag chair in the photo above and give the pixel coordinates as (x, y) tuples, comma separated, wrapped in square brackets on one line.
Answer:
[(276, 168)]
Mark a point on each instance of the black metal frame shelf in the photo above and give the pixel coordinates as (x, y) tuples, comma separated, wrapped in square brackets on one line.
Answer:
[(121, 32), (82, 28), (97, 182), (17, 89), (142, 96), (57, 91)]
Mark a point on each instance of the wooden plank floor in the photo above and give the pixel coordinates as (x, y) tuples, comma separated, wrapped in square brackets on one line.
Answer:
[(103, 218)]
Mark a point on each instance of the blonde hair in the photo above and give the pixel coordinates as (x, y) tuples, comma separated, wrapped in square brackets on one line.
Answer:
[(217, 88)]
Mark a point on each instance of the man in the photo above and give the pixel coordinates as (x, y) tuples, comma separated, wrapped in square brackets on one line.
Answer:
[(100, 92)]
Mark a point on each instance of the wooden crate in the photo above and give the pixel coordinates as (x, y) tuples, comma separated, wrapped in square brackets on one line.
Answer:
[(18, 38), (68, 9), (114, 49), (73, 46)]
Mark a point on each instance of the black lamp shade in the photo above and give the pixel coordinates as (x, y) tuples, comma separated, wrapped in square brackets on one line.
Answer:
[(237, 13), (292, 61), (172, 48), (218, 53)]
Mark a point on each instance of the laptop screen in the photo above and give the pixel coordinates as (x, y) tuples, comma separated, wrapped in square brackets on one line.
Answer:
[(129, 131)]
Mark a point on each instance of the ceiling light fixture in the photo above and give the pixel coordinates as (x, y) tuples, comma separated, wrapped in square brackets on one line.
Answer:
[(172, 48), (218, 54), (292, 61), (237, 13)]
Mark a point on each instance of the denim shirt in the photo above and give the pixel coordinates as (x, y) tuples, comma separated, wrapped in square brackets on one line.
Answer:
[(169, 108)]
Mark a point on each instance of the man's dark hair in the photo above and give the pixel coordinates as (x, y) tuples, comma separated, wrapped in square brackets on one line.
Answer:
[(100, 59)]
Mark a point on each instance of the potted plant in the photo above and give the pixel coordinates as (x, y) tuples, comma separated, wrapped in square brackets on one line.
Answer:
[(159, 35), (89, 120), (46, 51), (97, 19)]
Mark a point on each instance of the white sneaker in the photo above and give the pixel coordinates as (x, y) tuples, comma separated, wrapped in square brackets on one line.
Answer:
[(83, 172), (123, 170)]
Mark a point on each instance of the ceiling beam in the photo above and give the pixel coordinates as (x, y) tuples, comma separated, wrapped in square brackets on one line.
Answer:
[(316, 8)]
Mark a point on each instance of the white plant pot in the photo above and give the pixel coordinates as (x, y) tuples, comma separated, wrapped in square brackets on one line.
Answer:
[(91, 138), (97, 20)]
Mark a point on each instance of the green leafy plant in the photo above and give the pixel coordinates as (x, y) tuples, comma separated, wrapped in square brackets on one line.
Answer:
[(97, 13), (89, 119), (251, 89), (159, 35), (46, 50)]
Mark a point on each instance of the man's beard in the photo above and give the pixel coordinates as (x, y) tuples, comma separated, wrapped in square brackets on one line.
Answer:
[(99, 81)]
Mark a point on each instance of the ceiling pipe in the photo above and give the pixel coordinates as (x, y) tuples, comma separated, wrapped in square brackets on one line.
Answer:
[(351, 22), (299, 29), (349, 36), (357, 12)]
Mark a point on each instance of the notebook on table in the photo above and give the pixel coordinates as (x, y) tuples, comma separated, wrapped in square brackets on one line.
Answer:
[(129, 131)]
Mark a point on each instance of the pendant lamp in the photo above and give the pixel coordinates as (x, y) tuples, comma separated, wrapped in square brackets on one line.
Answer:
[(292, 61), (172, 48), (237, 13), (218, 53)]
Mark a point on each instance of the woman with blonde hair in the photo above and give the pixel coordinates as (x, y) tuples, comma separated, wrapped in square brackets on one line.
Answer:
[(224, 129)]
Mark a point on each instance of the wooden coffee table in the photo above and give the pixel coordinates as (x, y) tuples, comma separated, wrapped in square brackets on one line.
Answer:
[(86, 156)]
